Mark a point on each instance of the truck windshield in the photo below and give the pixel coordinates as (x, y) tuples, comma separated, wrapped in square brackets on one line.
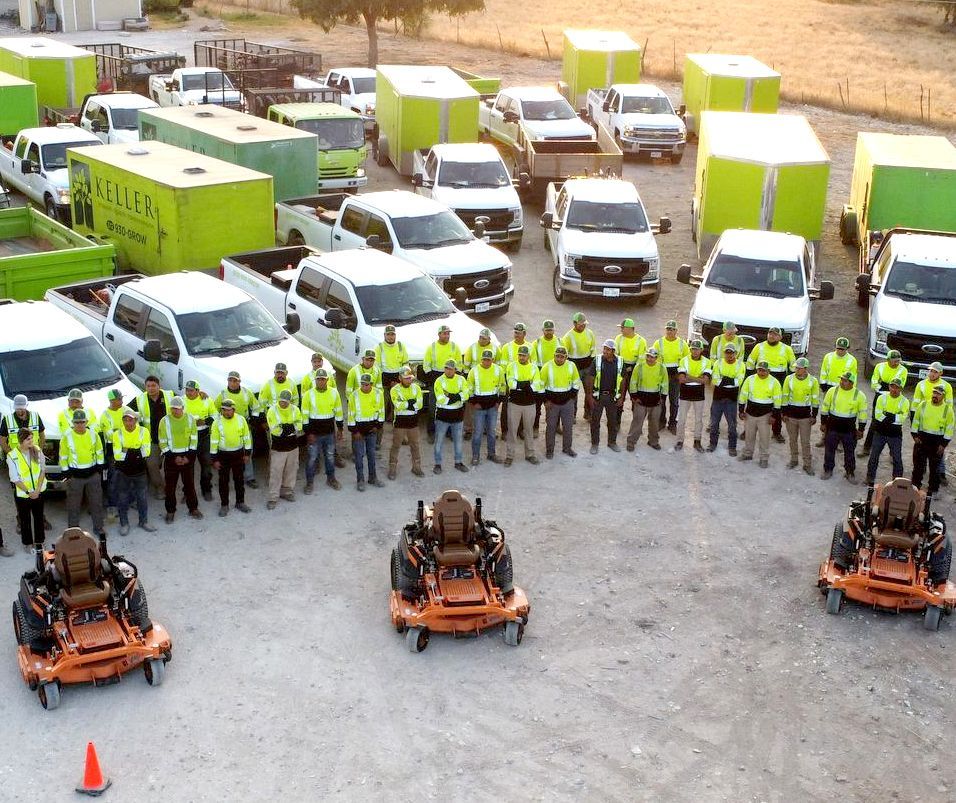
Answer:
[(473, 174), (54, 154), (431, 231), (595, 216), (207, 80), (756, 277), (557, 109), (935, 284), (364, 86), (125, 119), (335, 134), (635, 105), (52, 371), (232, 330), (418, 299)]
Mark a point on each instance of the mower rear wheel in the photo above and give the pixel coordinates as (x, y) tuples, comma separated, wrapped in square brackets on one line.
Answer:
[(139, 609), (395, 567), (504, 571), (941, 563), (155, 671), (839, 554), (834, 600), (931, 618), (49, 695), (416, 638), (24, 631), (514, 632)]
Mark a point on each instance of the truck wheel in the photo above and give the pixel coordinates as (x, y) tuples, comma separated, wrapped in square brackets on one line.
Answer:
[(650, 301), (381, 152), (295, 238), (676, 158), (862, 299), (559, 295), (50, 207), (848, 224)]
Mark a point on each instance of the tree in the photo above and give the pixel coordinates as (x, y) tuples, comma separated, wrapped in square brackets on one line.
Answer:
[(326, 13)]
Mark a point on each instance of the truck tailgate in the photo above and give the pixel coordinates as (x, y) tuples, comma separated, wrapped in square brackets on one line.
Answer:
[(560, 159), (271, 292)]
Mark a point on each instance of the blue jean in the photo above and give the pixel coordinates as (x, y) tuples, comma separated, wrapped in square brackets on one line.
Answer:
[(723, 408), (457, 431), (130, 490), (848, 441), (895, 444), (323, 445), (484, 423), (363, 446)]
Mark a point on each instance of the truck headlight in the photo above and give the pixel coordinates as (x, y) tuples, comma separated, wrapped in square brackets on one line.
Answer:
[(516, 218), (369, 109), (653, 269), (798, 339), (630, 131), (881, 337), (64, 196), (568, 268), (697, 324), (360, 173)]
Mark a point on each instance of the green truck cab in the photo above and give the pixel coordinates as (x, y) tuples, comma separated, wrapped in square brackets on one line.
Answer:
[(341, 141)]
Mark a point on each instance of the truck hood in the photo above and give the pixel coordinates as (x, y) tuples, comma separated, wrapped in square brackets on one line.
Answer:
[(195, 97), (457, 260), (363, 100), (915, 316), (257, 367), (477, 197), (558, 129), (608, 244), (122, 135), (652, 121), (762, 311), (418, 336), (49, 409), (61, 180)]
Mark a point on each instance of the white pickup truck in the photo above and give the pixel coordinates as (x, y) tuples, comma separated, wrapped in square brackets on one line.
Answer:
[(641, 118), (35, 164), (114, 117), (757, 279), (183, 326), (44, 354), (419, 230), (601, 241), (194, 86), (345, 300), (542, 112), (910, 289), (473, 182), (357, 85)]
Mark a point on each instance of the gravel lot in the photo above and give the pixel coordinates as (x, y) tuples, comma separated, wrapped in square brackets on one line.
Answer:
[(678, 648)]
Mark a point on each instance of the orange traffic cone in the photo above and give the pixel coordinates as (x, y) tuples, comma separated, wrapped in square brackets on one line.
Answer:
[(93, 783)]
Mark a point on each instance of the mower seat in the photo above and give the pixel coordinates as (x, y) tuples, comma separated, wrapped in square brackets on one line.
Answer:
[(453, 527), (898, 505), (76, 559)]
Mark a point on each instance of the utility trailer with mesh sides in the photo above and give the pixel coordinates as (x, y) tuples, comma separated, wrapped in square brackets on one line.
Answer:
[(240, 59), (122, 66)]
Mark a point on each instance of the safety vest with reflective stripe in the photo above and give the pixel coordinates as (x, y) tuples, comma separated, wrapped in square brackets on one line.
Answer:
[(598, 364), (671, 352), (833, 366), (14, 425), (366, 407), (391, 356), (934, 419), (801, 392), (488, 381), (245, 401), (444, 386), (580, 345), (694, 368), (924, 390), (402, 395), (142, 406), (560, 378), (271, 390), (109, 421), (437, 354), (124, 441), (200, 409), (719, 343), (472, 356), (66, 419), (230, 434), (630, 349), (322, 404), (308, 381), (779, 357), (845, 404), (884, 373), (276, 416), (355, 372), (80, 451), (760, 390), (649, 378), (178, 436), (31, 474), (543, 349)]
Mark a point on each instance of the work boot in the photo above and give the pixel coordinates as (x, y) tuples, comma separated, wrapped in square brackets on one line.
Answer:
[(309, 488), (569, 452), (763, 463), (377, 482), (360, 485), (436, 470), (630, 447), (289, 496), (672, 428), (195, 514), (493, 458), (698, 447), (732, 452), (242, 507), (793, 464), (338, 461), (851, 478), (392, 474), (826, 475), (821, 443), (594, 448), (779, 438), (253, 483), (678, 446), (462, 468), (475, 461), (207, 495), (418, 472), (145, 526), (549, 454), (655, 446), (614, 447), (534, 459), (745, 457), (508, 462), (271, 504), (712, 447), (169, 517), (333, 483), (124, 530), (223, 511), (467, 435), (808, 470)]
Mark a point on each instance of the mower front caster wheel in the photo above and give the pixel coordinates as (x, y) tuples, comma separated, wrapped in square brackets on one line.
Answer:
[(514, 632), (49, 695), (155, 671), (931, 618), (834, 600), (416, 639)]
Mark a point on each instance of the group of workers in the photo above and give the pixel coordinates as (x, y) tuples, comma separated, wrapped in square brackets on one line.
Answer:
[(111, 458)]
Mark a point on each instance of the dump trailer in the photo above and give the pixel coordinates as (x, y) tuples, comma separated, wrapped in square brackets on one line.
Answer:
[(37, 253), (167, 209), (121, 66), (63, 74), (485, 87), (240, 56), (596, 59), (727, 83), (758, 171), (420, 106), (899, 180), (286, 154), (18, 105)]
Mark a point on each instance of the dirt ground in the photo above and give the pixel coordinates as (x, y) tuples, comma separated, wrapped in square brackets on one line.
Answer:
[(678, 648)]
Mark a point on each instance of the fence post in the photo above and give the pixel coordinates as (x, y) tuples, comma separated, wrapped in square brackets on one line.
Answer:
[(546, 46)]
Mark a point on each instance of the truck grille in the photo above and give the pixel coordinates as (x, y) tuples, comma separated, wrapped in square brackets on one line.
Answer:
[(657, 134), (497, 284), (597, 272), (336, 172), (910, 346), (751, 334), (499, 219)]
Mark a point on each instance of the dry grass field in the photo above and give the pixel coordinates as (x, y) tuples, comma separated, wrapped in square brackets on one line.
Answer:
[(885, 50)]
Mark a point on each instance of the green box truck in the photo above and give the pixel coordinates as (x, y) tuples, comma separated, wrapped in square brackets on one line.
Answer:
[(420, 106), (758, 171), (899, 180), (240, 139), (18, 105), (37, 253), (167, 209), (597, 59), (63, 74), (727, 84), (340, 139)]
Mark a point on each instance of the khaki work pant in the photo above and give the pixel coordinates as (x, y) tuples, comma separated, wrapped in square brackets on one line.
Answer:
[(283, 468), (798, 429), (520, 414), (757, 427), (638, 413), (686, 408), (411, 436)]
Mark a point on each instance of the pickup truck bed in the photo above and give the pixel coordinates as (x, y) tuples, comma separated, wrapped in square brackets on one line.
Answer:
[(271, 261), (91, 297), (559, 159)]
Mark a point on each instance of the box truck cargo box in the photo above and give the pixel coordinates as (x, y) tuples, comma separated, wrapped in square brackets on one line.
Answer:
[(63, 74), (286, 154), (597, 59), (18, 105), (727, 84), (421, 106), (168, 209), (758, 171)]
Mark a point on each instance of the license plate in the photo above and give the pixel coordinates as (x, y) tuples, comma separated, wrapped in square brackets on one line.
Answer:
[(656, 154), (924, 372), (484, 306), (612, 292), (486, 238)]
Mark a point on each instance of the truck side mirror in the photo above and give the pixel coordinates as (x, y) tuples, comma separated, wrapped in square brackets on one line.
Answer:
[(152, 351), (127, 366), (547, 220), (524, 179), (606, 106), (664, 225), (480, 222), (826, 291), (292, 322), (418, 180), (862, 282), (510, 117), (683, 274), (489, 102), (27, 167), (95, 126), (373, 241), (171, 86), (335, 318), (461, 296), (681, 110)]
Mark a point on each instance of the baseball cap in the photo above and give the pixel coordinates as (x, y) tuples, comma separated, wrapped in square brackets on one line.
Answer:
[(627, 323), (488, 354), (129, 412), (285, 395), (651, 352), (523, 350), (20, 401), (317, 355), (696, 344), (671, 324), (364, 379), (79, 415), (389, 329), (177, 402), (368, 353), (520, 327), (115, 393), (227, 403), (802, 362), (561, 350), (321, 374), (730, 326), (763, 364), (896, 381), (76, 393), (842, 343), (893, 354), (451, 364), (578, 317), (443, 328), (485, 333), (774, 330), (280, 366), (548, 324), (192, 384), (609, 344), (933, 366), (407, 372), (940, 390), (849, 376), (730, 347), (235, 374)]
